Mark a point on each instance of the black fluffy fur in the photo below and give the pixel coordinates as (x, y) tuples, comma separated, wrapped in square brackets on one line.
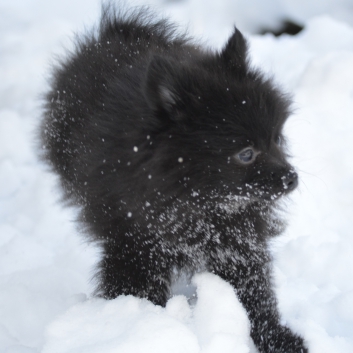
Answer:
[(145, 128)]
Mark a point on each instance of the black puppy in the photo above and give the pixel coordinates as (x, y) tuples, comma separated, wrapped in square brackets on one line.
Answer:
[(176, 158)]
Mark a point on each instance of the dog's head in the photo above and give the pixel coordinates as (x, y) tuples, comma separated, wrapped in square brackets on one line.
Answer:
[(222, 121)]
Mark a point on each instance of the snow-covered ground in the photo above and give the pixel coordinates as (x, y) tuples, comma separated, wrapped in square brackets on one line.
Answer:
[(45, 265)]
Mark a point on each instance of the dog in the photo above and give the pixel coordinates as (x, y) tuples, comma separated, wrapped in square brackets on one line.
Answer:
[(176, 157)]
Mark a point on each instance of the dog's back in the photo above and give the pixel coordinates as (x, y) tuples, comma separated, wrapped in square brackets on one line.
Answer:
[(106, 65)]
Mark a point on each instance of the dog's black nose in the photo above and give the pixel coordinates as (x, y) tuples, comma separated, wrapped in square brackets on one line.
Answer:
[(290, 181)]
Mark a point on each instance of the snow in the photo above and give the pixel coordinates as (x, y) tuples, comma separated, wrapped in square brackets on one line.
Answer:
[(46, 302), (128, 324), (220, 320)]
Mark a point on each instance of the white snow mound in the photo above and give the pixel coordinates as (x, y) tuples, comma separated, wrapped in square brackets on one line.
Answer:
[(131, 325)]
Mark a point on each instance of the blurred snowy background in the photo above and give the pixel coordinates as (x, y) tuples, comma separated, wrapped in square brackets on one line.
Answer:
[(46, 267)]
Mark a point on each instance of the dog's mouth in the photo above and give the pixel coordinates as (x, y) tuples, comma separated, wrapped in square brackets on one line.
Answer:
[(272, 190), (265, 190)]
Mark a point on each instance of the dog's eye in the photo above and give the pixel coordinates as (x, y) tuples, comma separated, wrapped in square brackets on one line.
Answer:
[(247, 155)]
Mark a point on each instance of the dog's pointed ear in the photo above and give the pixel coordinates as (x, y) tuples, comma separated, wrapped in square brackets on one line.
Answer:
[(234, 54), (160, 85)]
